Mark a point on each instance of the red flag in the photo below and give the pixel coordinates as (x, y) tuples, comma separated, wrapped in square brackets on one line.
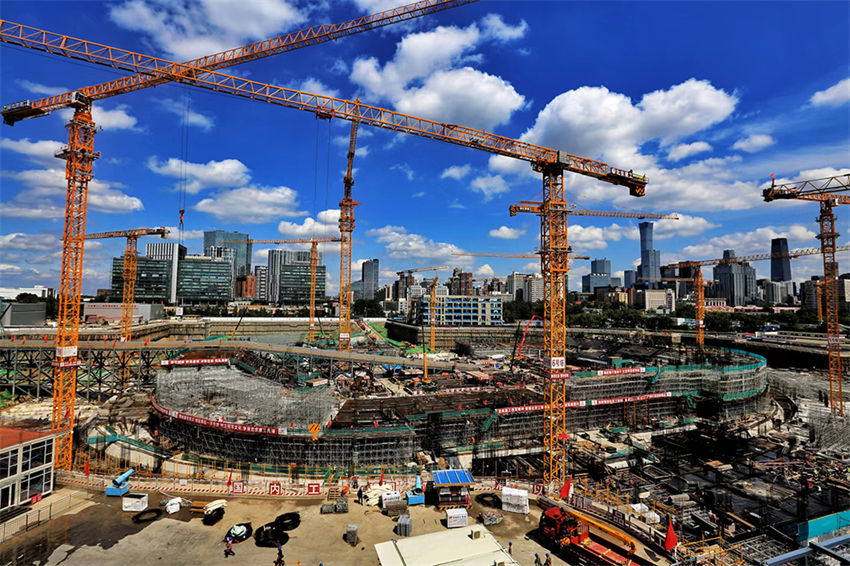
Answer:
[(229, 478), (670, 541), (87, 466), (381, 482), (565, 491)]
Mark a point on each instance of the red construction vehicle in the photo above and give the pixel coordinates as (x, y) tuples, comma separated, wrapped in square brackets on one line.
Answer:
[(570, 531)]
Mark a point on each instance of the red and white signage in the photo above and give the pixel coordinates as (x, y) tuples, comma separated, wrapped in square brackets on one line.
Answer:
[(621, 371), (537, 489), (238, 487), (274, 488), (217, 424), (198, 362), (555, 363), (593, 402), (313, 489)]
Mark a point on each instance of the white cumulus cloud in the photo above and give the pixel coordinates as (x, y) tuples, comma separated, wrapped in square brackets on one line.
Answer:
[(400, 244), (457, 172), (485, 271), (325, 225), (186, 114), (117, 118), (681, 151), (754, 143), (505, 233), (836, 95), (194, 28), (199, 176), (251, 204), (489, 186)]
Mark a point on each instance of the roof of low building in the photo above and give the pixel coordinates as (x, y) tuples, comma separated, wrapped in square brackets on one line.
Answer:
[(12, 436)]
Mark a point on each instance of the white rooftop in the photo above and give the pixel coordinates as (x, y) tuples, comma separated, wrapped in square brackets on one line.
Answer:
[(456, 547)]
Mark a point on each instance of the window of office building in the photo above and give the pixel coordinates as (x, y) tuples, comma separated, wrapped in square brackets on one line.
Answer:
[(7, 496), (36, 454), (36, 483), (8, 463)]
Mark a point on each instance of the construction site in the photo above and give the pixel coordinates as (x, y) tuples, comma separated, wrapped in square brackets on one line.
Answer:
[(401, 442)]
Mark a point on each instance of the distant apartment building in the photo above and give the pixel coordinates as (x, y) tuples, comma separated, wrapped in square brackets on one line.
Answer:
[(654, 300), (524, 287), (261, 275), (458, 310)]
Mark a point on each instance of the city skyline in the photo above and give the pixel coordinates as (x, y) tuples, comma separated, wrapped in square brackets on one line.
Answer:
[(708, 138)]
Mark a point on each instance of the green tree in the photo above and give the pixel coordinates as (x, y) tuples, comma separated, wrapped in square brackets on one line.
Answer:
[(27, 298)]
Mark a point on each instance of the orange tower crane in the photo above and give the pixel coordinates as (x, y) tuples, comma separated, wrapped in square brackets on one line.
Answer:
[(128, 295), (79, 155), (314, 262), (131, 259), (551, 163), (699, 282), (554, 262), (346, 228), (824, 191)]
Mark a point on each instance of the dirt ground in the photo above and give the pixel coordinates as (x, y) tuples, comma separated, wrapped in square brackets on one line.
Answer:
[(102, 534)]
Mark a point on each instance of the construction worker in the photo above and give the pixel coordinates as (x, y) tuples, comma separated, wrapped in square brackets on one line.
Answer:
[(360, 496), (537, 561), (548, 561), (228, 548), (279, 560)]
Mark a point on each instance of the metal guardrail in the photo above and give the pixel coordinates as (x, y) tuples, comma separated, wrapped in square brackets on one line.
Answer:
[(30, 519)]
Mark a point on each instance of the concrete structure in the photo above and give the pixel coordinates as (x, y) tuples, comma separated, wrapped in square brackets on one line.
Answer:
[(216, 238), (458, 310), (172, 252), (204, 279), (112, 311), (26, 466), (467, 546), (369, 275), (656, 300), (650, 258), (10, 293), (24, 314), (780, 267)]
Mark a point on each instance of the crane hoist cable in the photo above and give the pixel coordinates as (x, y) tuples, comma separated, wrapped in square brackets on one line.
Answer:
[(184, 163)]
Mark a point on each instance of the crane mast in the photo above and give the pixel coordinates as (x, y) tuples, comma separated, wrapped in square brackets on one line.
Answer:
[(346, 227), (824, 191)]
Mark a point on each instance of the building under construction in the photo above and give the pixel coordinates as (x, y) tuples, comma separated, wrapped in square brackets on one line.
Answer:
[(238, 415)]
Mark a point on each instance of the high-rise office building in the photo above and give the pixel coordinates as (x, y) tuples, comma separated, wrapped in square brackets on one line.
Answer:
[(204, 279), (780, 267), (599, 276), (736, 281), (294, 283), (261, 274), (369, 276), (289, 277), (229, 255), (217, 238), (650, 259), (173, 252), (629, 278), (153, 280)]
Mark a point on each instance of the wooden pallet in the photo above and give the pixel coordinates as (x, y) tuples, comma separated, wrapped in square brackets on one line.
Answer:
[(333, 494)]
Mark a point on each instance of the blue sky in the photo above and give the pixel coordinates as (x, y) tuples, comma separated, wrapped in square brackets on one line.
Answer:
[(707, 98)]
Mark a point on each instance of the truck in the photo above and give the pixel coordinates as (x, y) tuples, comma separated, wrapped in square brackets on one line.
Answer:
[(569, 531)]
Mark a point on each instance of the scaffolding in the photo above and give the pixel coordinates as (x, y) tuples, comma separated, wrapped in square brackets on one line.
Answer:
[(225, 394)]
